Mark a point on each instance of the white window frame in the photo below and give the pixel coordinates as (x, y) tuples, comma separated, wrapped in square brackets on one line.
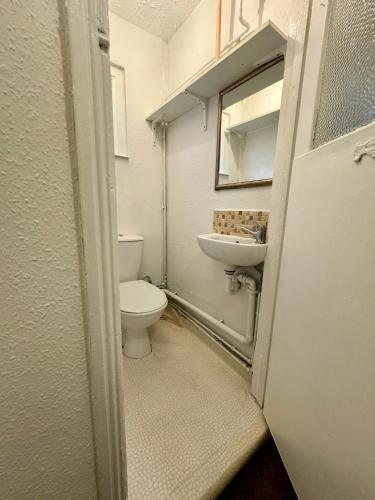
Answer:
[(120, 135)]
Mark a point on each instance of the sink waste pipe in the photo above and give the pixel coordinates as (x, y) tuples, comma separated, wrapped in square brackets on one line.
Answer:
[(248, 337), (243, 279)]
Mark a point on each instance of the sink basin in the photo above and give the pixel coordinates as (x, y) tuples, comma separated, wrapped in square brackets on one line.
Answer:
[(232, 250)]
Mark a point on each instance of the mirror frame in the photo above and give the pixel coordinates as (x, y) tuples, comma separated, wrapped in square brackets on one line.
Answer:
[(244, 79)]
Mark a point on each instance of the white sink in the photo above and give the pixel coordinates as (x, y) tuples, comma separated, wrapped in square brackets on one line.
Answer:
[(232, 250)]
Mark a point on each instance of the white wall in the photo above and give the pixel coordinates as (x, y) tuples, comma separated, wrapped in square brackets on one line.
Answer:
[(262, 102), (259, 153), (191, 167), (45, 420), (193, 44), (139, 178), (191, 201), (230, 152)]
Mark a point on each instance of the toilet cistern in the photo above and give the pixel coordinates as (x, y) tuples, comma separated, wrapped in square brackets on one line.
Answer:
[(141, 303)]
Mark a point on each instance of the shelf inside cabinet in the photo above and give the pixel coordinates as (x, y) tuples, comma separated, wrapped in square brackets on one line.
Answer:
[(255, 123)]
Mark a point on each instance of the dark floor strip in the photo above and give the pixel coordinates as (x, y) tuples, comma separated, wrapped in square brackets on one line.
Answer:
[(263, 477)]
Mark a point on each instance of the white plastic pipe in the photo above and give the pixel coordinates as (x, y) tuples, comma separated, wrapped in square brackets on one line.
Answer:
[(244, 23), (165, 195), (221, 342), (219, 324), (250, 322), (252, 290), (229, 284)]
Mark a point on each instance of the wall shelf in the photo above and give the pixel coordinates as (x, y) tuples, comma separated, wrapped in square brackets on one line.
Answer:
[(255, 123), (262, 44)]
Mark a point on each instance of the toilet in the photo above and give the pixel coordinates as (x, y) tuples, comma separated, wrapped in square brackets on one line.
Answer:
[(141, 303)]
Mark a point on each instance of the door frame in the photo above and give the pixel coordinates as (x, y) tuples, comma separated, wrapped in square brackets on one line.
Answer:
[(90, 121), (89, 117), (286, 140)]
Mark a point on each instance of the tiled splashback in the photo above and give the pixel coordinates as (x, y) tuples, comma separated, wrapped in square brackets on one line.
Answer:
[(230, 221)]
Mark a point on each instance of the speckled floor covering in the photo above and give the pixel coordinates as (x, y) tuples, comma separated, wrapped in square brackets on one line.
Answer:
[(190, 420)]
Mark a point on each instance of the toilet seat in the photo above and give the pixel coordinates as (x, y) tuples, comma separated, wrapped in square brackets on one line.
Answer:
[(140, 297)]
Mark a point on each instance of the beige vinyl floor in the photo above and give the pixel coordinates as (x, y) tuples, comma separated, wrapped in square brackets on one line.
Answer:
[(190, 420)]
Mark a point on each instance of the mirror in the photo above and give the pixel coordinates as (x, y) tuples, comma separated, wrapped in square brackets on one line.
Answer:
[(247, 127)]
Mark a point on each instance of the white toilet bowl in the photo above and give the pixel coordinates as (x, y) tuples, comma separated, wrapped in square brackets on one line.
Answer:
[(141, 306)]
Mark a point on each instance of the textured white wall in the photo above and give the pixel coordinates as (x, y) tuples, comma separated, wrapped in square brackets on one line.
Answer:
[(191, 165), (45, 422), (139, 179), (160, 18), (191, 201)]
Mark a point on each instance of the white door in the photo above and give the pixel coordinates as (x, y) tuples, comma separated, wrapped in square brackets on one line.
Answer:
[(320, 392)]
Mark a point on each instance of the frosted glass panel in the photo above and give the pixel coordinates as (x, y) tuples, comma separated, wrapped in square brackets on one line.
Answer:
[(347, 99)]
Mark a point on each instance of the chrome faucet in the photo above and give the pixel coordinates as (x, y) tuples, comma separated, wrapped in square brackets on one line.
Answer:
[(259, 233)]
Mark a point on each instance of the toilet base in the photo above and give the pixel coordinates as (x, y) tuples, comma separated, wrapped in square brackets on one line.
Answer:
[(136, 343)]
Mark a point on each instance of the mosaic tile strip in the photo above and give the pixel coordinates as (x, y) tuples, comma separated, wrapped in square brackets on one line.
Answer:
[(230, 221)]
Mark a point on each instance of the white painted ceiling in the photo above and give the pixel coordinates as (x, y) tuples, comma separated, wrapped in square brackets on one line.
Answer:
[(159, 17)]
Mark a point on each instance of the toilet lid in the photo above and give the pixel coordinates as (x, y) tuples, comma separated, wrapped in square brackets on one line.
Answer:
[(140, 297)]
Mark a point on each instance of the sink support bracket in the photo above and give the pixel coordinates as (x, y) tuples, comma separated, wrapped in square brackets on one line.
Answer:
[(203, 101)]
